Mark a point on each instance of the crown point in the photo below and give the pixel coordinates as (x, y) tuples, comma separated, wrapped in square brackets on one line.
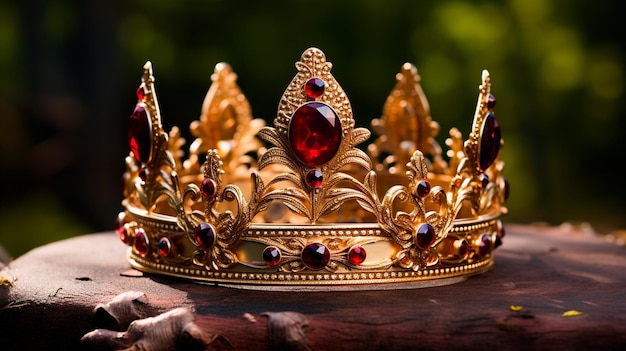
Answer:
[(485, 75)]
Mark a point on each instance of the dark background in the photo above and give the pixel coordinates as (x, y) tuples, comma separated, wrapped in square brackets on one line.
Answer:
[(69, 70)]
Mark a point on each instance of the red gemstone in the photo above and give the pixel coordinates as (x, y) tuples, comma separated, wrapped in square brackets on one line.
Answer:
[(120, 220), (121, 227), (271, 256), (315, 133), (356, 255), (462, 247), (314, 87), (123, 234), (315, 256), (208, 187), (141, 241), (489, 141), (491, 101), (501, 230), (484, 244), (139, 134), (165, 247), (142, 92), (425, 235), (314, 178), (423, 188), (497, 241), (205, 235)]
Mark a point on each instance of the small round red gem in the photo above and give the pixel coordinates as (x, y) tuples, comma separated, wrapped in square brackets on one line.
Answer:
[(271, 256), (500, 227), (142, 92), (314, 88), (425, 235), (484, 244), (315, 256), (208, 187), (124, 236), (356, 255), (314, 178), (139, 133), (165, 247), (315, 133), (205, 235), (423, 188), (141, 241), (462, 247)]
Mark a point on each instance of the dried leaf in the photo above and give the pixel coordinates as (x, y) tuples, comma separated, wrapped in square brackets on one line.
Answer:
[(571, 313)]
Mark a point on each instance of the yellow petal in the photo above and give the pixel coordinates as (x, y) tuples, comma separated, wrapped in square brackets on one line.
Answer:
[(515, 308)]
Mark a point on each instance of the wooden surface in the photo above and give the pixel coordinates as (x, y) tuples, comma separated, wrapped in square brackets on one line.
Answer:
[(545, 271)]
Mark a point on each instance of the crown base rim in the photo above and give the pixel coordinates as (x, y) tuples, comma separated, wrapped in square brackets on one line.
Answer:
[(317, 280)]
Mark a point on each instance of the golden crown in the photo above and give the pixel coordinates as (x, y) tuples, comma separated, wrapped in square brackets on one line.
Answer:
[(299, 204)]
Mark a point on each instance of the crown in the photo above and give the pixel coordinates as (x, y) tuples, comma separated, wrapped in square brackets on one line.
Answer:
[(302, 204)]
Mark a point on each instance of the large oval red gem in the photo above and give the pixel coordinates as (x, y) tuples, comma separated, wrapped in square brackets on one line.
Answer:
[(315, 256), (139, 133), (489, 142), (315, 133)]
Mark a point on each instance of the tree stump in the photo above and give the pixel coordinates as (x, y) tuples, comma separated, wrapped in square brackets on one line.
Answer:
[(550, 288)]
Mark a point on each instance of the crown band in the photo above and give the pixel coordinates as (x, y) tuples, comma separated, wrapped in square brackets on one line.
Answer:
[(313, 209)]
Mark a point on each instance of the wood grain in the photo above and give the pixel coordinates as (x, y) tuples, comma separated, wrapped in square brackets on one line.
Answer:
[(544, 271)]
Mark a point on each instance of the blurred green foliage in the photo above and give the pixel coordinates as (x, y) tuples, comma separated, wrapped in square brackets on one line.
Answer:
[(70, 68)]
